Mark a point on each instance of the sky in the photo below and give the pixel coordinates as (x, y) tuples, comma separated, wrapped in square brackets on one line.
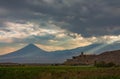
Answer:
[(58, 24)]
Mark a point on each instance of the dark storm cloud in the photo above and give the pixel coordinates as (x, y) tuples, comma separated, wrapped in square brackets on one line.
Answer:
[(86, 17), (13, 4)]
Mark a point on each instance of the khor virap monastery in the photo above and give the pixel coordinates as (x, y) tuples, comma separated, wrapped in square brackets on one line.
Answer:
[(83, 59)]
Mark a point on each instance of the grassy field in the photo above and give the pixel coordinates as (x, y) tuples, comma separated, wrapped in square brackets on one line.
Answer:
[(59, 72)]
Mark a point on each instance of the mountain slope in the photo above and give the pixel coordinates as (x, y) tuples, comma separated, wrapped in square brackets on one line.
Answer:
[(27, 50), (28, 54), (33, 54)]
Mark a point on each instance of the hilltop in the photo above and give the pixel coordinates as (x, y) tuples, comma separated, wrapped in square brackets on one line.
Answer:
[(109, 56)]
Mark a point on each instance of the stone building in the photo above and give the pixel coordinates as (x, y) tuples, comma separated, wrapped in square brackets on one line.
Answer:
[(81, 60)]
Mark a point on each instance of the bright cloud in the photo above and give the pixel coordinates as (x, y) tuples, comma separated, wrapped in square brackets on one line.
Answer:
[(50, 38), (21, 31)]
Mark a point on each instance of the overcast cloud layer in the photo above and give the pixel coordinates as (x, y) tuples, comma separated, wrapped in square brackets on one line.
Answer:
[(58, 24)]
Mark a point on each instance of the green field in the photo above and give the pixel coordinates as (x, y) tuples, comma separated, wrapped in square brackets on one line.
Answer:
[(58, 72)]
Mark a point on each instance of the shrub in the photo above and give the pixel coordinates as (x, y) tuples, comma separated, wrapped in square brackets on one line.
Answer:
[(104, 64)]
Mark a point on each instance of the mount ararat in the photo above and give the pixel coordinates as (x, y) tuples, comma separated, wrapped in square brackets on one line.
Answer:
[(33, 54)]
